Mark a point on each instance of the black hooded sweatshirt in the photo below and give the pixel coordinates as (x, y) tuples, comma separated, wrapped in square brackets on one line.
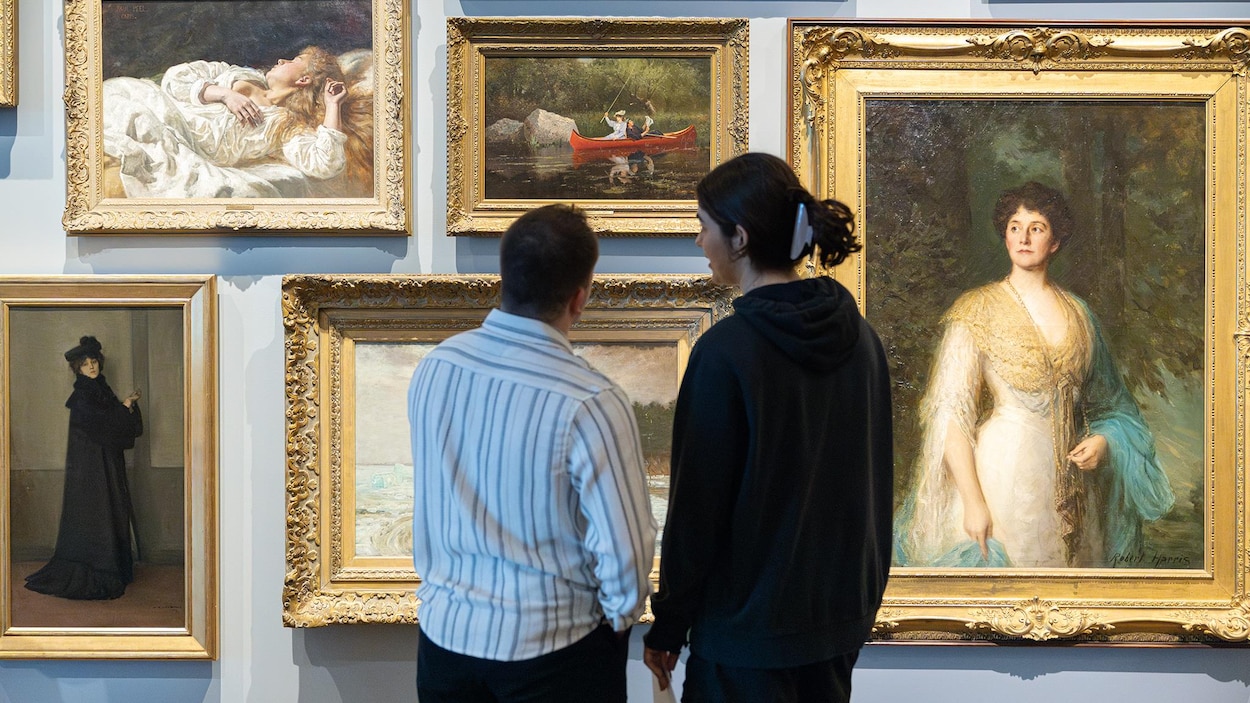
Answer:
[(777, 543)]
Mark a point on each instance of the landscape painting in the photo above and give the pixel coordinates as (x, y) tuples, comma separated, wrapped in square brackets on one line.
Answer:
[(352, 345), (550, 125), (648, 373), (621, 117)]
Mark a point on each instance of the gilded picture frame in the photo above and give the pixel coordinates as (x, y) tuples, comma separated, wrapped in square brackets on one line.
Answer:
[(155, 337), (919, 128), (8, 53), (352, 343), (146, 157), (521, 91)]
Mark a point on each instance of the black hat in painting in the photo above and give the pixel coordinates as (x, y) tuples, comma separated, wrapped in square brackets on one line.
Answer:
[(87, 347)]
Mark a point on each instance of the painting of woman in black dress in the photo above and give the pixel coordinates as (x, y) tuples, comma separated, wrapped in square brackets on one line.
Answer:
[(93, 558)]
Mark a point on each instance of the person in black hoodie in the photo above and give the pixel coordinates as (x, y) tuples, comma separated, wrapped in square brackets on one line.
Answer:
[(93, 558), (777, 543)]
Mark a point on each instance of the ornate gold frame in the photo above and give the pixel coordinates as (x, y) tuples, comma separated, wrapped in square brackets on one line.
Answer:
[(326, 581), (88, 211), (470, 40), (194, 298), (8, 53), (836, 68)]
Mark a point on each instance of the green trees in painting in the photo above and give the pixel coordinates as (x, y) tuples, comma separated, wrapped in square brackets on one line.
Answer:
[(676, 91), (655, 427)]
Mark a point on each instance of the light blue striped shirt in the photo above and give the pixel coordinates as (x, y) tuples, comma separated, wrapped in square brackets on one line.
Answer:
[(531, 522)]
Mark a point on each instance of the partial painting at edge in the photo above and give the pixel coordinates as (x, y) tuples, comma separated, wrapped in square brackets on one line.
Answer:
[(250, 99), (966, 357), (384, 472), (596, 127)]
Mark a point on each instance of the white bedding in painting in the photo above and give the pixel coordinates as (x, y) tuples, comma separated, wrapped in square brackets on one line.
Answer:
[(167, 144)]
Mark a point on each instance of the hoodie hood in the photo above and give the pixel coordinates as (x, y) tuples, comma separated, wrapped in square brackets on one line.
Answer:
[(813, 321)]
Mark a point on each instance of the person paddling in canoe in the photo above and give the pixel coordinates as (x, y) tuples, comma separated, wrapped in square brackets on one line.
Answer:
[(617, 124)]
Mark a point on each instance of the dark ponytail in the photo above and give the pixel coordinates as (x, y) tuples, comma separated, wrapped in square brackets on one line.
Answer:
[(761, 193), (833, 228)]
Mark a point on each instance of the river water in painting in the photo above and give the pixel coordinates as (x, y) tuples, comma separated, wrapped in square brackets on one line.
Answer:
[(384, 509), (559, 173)]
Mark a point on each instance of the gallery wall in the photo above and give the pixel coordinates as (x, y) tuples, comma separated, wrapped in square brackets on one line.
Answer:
[(262, 662)]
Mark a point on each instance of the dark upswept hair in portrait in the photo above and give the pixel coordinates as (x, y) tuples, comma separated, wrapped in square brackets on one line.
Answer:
[(1038, 198), (88, 348), (761, 192), (544, 257)]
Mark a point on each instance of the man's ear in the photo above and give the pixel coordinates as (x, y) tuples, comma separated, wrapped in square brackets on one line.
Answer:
[(578, 302)]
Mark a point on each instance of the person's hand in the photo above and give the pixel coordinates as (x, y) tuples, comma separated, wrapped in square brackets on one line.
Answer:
[(661, 664), (334, 92), (134, 396), (1089, 453), (979, 525), (243, 108)]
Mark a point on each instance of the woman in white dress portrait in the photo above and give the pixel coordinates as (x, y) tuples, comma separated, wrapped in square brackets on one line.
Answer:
[(212, 129), (1034, 454)]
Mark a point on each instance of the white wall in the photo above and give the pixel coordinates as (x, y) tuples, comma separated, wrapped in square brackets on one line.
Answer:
[(261, 662)]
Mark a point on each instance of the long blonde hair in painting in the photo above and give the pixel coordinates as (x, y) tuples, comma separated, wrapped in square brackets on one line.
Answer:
[(306, 110)]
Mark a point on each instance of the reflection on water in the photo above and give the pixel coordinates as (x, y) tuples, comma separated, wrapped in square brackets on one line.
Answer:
[(630, 174), (384, 509)]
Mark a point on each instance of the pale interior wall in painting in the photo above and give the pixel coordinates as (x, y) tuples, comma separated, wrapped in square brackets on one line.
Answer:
[(261, 662)]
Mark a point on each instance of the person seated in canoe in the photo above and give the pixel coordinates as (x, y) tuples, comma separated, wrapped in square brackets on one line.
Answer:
[(632, 131), (617, 123), (650, 131)]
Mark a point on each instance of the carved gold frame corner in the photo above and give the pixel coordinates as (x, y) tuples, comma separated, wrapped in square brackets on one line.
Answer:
[(469, 40), (324, 316), (89, 212), (835, 67)]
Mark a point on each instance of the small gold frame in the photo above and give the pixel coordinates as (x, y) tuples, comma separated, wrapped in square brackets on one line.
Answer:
[(471, 41)]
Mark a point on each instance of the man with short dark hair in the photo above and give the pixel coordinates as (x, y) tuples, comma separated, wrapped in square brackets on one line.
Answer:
[(532, 528)]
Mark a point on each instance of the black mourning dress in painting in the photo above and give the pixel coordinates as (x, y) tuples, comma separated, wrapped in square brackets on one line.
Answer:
[(93, 558)]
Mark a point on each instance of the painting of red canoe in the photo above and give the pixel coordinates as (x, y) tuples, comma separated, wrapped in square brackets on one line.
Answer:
[(656, 142), (596, 128)]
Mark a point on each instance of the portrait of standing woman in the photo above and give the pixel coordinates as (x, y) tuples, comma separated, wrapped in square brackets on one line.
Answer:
[(93, 558), (1060, 469), (777, 543)]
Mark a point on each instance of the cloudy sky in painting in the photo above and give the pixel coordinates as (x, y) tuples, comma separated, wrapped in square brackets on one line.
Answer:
[(383, 371), (647, 372)]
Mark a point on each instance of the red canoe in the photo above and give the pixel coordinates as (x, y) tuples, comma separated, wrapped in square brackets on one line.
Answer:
[(670, 140)]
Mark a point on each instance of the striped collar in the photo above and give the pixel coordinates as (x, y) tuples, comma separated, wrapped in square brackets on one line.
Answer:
[(525, 329)]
